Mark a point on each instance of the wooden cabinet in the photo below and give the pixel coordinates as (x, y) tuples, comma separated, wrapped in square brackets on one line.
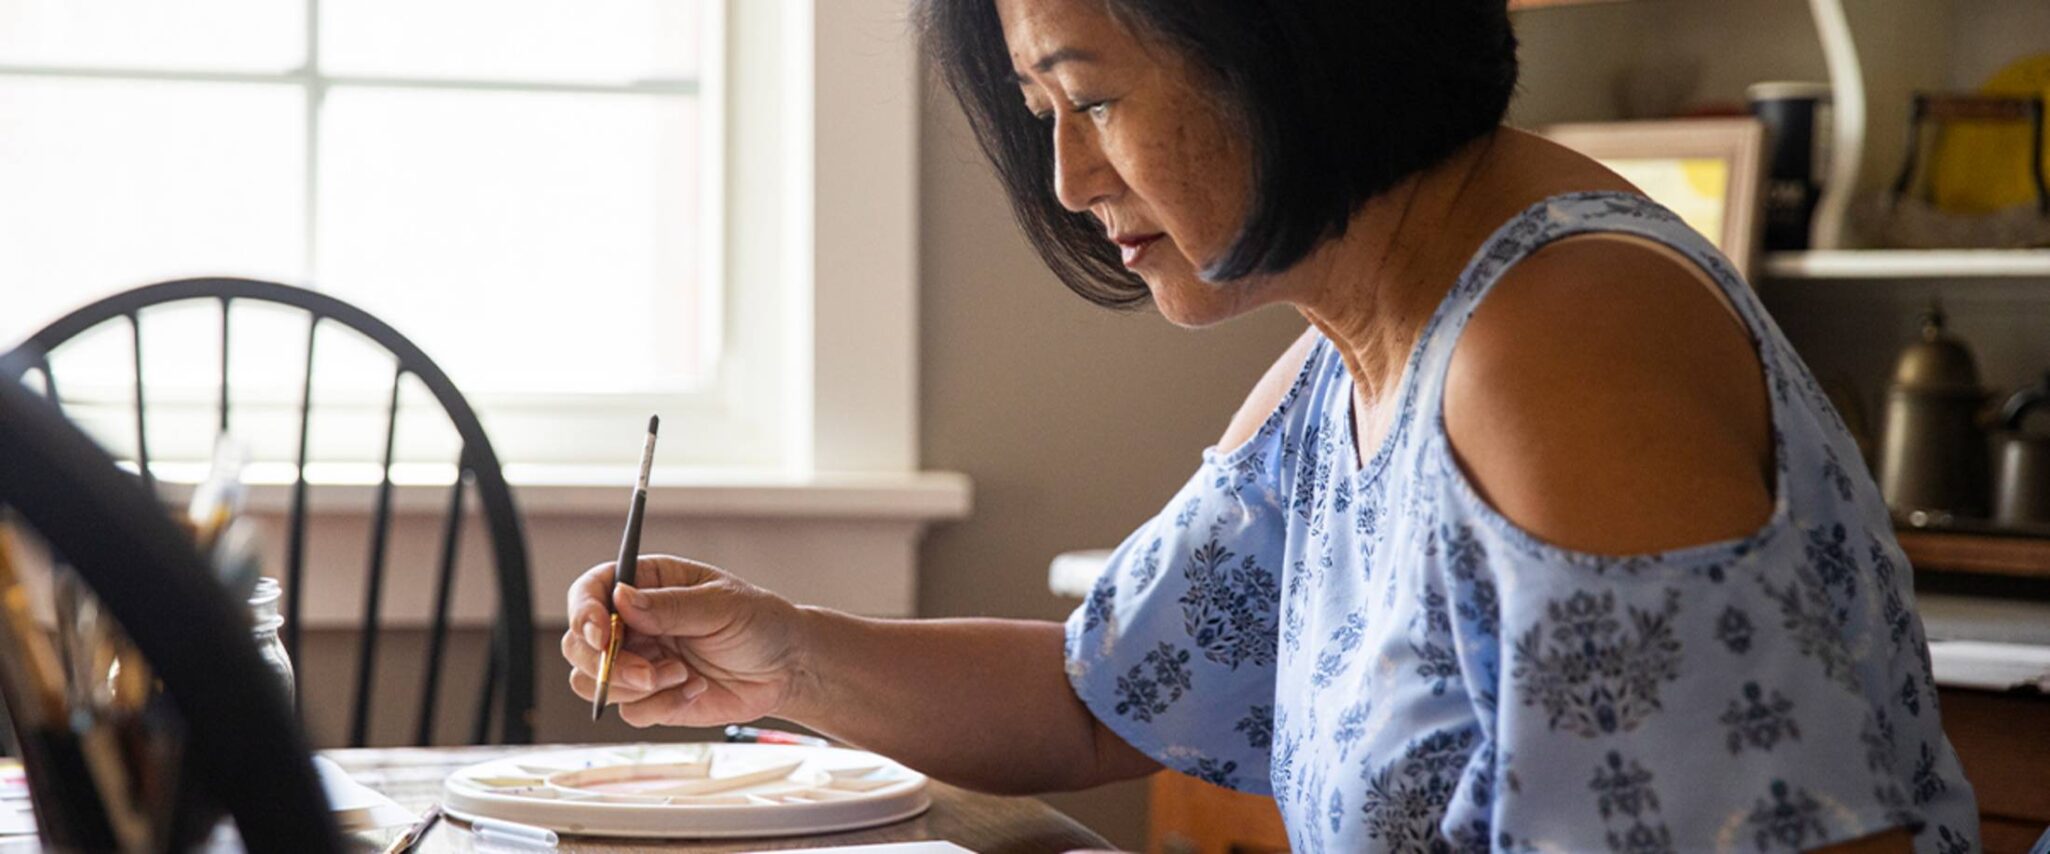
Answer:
[(1190, 816), (2003, 740), (1986, 552)]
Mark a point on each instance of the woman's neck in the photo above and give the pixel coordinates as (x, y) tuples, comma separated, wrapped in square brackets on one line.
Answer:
[(1371, 290)]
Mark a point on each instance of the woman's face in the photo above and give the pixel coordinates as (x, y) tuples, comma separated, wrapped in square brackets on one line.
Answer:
[(1140, 144)]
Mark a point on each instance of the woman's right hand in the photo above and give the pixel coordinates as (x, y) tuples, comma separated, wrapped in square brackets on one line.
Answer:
[(702, 648)]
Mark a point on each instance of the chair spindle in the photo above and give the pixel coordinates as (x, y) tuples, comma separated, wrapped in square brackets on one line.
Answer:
[(480, 732), (380, 531), (149, 479), (295, 549), (444, 588), (224, 365)]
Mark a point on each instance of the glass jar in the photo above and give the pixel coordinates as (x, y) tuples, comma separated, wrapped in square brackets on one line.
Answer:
[(264, 624)]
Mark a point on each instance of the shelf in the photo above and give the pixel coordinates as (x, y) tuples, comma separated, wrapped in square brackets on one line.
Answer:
[(1980, 553), (1909, 264), (1521, 5)]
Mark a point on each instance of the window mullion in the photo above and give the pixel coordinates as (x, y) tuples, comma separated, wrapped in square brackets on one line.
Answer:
[(315, 87)]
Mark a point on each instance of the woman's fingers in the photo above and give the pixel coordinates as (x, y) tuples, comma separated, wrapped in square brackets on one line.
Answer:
[(586, 686), (662, 707), (695, 611), (588, 614), (642, 707), (630, 667)]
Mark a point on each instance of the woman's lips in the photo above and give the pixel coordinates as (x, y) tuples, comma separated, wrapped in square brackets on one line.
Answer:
[(1134, 248)]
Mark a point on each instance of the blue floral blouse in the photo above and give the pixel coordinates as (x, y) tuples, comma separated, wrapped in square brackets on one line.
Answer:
[(1404, 669)]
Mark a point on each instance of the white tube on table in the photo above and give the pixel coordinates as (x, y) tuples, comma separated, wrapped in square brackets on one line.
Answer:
[(513, 833)]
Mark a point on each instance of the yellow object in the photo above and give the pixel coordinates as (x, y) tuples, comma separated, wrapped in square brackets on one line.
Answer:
[(1695, 188), (1983, 167)]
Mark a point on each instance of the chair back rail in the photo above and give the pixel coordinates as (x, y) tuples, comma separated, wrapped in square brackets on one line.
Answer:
[(507, 697)]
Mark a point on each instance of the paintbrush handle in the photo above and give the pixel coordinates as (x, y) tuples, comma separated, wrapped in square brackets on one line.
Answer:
[(630, 544)]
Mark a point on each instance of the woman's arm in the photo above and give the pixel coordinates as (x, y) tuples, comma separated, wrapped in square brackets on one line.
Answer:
[(979, 703)]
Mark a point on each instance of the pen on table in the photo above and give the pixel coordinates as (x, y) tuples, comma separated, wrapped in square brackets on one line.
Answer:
[(737, 734), (623, 572), (411, 838)]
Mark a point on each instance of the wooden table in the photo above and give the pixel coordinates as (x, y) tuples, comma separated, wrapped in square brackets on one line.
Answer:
[(985, 823)]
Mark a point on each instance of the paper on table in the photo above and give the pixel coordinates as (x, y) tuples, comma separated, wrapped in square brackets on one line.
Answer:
[(16, 817), (933, 847), (17, 814), (356, 806)]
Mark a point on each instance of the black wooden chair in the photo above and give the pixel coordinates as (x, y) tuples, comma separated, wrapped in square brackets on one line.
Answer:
[(508, 682), (249, 756)]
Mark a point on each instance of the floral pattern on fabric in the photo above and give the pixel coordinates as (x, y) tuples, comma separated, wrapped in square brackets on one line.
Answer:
[(1405, 669)]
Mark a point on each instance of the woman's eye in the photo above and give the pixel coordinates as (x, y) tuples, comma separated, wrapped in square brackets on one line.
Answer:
[(1098, 110)]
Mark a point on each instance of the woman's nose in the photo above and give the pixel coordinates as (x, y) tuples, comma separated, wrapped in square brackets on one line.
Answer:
[(1082, 176)]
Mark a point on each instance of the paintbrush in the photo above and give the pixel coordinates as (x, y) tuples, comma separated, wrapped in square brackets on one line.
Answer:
[(623, 572)]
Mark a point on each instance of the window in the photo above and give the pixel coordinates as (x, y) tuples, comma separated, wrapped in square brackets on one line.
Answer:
[(584, 212), (520, 187)]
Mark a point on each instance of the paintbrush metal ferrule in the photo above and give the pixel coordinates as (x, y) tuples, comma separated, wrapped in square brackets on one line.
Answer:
[(605, 660)]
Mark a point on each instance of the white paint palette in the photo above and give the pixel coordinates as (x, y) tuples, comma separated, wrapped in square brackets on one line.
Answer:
[(690, 791)]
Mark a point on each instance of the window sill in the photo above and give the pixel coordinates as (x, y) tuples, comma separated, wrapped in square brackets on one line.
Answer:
[(928, 496), (844, 540)]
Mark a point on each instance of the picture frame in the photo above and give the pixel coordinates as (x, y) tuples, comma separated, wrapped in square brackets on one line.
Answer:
[(1709, 171)]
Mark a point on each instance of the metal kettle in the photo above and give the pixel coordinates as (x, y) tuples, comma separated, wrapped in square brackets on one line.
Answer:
[(2021, 491), (1933, 458)]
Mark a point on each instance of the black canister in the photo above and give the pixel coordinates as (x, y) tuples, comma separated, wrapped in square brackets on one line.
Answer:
[(1796, 117)]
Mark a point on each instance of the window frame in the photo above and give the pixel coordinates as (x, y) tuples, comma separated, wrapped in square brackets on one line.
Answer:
[(828, 256)]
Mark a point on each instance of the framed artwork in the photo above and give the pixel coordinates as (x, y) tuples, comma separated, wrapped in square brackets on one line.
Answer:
[(1709, 171)]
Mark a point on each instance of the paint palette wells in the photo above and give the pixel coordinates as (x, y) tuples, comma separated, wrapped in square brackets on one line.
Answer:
[(685, 791)]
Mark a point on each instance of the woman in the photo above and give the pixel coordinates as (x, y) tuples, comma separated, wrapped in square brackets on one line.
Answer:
[(1541, 538)]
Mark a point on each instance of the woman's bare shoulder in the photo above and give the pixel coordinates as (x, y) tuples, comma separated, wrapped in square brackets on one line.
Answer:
[(1268, 392), (1604, 400)]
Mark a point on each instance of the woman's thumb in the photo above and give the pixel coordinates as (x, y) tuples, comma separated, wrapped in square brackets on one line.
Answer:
[(661, 611)]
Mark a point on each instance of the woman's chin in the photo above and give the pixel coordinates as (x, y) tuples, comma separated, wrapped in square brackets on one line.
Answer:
[(1192, 303)]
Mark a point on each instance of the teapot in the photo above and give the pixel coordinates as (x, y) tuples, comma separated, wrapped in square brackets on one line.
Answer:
[(2021, 493), (1933, 455)]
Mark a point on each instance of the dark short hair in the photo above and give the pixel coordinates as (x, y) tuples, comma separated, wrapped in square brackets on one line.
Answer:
[(1340, 100)]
